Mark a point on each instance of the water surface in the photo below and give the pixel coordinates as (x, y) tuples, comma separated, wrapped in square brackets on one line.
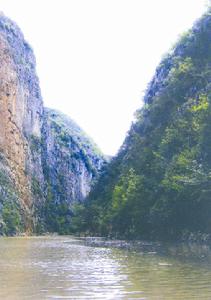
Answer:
[(68, 268)]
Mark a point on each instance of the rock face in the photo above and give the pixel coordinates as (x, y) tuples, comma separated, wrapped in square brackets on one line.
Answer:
[(71, 163), (21, 112), (69, 159), (41, 152)]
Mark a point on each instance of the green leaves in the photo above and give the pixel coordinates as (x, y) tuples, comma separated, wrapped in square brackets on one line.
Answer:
[(11, 218), (202, 104), (126, 186)]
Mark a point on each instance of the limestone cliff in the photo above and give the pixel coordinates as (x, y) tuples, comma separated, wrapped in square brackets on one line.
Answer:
[(21, 112), (40, 150), (70, 160), (71, 163)]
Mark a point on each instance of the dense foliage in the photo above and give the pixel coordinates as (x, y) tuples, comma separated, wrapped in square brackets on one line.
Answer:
[(11, 219), (159, 184)]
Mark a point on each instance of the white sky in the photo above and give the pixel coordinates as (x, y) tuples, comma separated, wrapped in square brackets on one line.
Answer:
[(95, 57)]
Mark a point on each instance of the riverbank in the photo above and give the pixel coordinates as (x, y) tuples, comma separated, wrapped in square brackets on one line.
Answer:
[(183, 249)]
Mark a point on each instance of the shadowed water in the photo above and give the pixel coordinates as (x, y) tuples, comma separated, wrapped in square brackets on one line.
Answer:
[(67, 268)]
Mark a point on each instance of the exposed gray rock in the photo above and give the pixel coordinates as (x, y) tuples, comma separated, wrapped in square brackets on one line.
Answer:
[(70, 160)]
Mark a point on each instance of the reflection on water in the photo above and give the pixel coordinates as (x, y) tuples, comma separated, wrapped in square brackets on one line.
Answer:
[(66, 268)]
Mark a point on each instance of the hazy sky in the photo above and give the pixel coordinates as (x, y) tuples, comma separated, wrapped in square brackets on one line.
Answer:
[(95, 57)]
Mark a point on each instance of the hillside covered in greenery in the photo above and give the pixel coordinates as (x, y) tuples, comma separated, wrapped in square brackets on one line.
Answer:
[(159, 184)]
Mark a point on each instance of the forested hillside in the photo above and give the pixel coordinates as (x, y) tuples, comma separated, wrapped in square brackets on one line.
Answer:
[(159, 184)]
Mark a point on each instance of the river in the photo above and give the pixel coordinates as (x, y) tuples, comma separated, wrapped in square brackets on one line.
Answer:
[(69, 268)]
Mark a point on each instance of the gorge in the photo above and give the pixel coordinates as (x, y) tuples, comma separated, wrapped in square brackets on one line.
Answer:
[(75, 224), (157, 186)]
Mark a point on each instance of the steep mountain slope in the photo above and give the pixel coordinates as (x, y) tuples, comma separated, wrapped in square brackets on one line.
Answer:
[(43, 155), (21, 117), (71, 163), (159, 185)]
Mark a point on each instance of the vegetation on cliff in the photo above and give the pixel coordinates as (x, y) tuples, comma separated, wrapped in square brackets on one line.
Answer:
[(11, 214), (159, 184)]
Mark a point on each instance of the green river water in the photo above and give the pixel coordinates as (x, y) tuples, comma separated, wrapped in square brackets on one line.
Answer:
[(70, 268)]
